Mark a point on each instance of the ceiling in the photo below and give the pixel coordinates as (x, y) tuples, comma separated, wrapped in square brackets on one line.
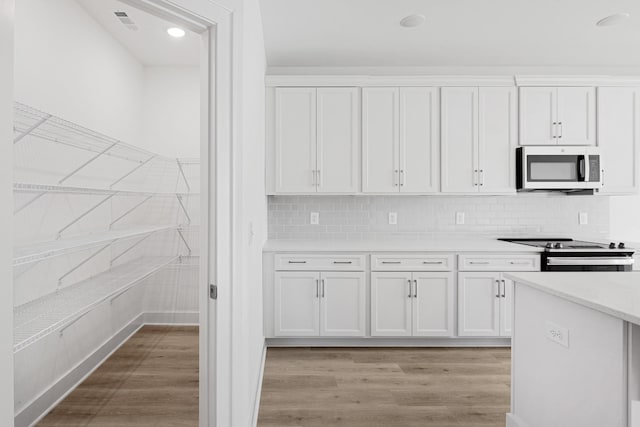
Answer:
[(150, 44), (520, 33)]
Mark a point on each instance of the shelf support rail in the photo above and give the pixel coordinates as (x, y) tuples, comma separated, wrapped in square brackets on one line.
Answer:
[(86, 260), (26, 204), (183, 175), (65, 327), (130, 248), (130, 210), (185, 243), (132, 171), (85, 164), (183, 208), (85, 214), (31, 129)]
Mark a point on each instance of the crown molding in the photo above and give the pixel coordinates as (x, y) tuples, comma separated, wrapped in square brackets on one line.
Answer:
[(381, 81)]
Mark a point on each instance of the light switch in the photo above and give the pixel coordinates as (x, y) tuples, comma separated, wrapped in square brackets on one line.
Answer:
[(459, 218), (314, 218), (393, 218), (583, 218)]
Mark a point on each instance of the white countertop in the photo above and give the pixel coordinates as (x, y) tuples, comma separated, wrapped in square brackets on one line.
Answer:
[(432, 245), (613, 293)]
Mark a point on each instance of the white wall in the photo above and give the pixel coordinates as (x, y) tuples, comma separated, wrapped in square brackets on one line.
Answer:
[(6, 213), (67, 65), (171, 111), (625, 218)]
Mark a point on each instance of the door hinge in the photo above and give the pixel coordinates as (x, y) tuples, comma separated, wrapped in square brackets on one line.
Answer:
[(213, 291)]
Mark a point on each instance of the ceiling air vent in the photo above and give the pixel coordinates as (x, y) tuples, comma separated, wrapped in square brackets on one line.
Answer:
[(126, 21)]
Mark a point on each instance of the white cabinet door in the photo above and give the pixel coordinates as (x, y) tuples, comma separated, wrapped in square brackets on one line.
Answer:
[(497, 140), (295, 140), (576, 116), (391, 304), (459, 136), (618, 126), (380, 163), (296, 304), (537, 116), (419, 143), (478, 304), (342, 307), (433, 304), (338, 140), (506, 308)]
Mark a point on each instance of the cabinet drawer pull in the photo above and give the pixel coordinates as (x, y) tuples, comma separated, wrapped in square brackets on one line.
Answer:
[(343, 262), (479, 262), (432, 262), (519, 262), (297, 262), (392, 262)]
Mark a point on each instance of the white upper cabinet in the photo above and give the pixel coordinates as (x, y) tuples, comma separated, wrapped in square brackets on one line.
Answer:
[(557, 116), (295, 140), (618, 138), (400, 140), (419, 144), (497, 140), (317, 140), (459, 139), (338, 152), (478, 140), (380, 140)]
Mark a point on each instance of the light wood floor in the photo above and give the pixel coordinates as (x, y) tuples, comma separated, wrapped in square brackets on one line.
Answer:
[(152, 380), (385, 387)]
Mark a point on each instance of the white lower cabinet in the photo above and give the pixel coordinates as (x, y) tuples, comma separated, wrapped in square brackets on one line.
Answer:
[(412, 304), (328, 304), (484, 305)]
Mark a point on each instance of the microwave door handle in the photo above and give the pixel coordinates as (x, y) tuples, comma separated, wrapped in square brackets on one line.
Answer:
[(582, 165)]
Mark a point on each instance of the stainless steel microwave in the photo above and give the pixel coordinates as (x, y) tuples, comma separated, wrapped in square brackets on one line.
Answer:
[(558, 168)]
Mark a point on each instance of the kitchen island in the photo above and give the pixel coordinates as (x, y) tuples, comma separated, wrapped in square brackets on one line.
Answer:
[(575, 349)]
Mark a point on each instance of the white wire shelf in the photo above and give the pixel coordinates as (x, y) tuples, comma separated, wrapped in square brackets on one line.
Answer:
[(23, 187), (39, 318), (28, 254)]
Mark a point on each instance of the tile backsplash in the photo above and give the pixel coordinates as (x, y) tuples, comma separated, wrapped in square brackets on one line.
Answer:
[(420, 217)]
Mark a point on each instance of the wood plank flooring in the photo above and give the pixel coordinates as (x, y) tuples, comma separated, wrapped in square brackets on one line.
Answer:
[(152, 380), (390, 387)]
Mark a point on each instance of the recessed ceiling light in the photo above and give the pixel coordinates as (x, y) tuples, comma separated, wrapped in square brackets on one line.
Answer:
[(412, 21), (614, 19), (176, 32)]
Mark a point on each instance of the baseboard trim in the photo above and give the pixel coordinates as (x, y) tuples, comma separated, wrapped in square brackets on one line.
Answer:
[(50, 398), (43, 404), (388, 342), (258, 396), (514, 421)]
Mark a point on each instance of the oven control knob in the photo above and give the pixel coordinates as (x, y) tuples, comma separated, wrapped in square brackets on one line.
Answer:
[(612, 245), (558, 245), (621, 245), (549, 245)]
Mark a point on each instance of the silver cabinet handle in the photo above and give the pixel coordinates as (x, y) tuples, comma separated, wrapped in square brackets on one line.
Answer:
[(498, 282), (322, 288), (343, 262), (432, 262), (415, 292), (603, 177), (561, 130), (392, 262), (409, 296), (297, 262), (317, 288), (395, 177), (319, 181), (553, 130), (401, 177), (481, 177), (475, 177), (313, 177), (504, 288), (479, 262), (518, 263)]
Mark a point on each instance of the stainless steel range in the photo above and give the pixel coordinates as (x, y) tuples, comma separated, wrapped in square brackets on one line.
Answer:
[(577, 255)]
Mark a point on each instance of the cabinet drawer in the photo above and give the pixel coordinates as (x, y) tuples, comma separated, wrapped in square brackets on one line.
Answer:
[(479, 262), (404, 262), (317, 262)]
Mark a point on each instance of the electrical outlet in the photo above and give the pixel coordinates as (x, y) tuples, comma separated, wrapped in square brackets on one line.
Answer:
[(314, 218), (459, 218), (393, 218), (583, 218), (557, 334)]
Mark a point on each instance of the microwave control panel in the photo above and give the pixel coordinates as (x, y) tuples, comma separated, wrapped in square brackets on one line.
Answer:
[(594, 168)]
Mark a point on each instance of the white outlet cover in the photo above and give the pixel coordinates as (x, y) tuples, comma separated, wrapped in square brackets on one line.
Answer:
[(583, 218), (459, 218), (557, 334), (393, 218), (314, 218)]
